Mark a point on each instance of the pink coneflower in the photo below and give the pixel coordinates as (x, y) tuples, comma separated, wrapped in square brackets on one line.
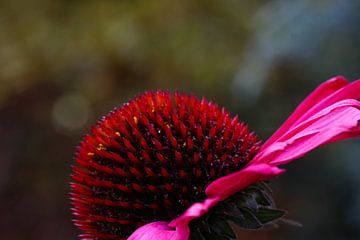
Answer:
[(167, 167)]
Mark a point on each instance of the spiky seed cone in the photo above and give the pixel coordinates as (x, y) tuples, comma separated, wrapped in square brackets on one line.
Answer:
[(150, 159)]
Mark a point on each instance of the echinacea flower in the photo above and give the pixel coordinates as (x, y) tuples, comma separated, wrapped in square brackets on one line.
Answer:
[(159, 168)]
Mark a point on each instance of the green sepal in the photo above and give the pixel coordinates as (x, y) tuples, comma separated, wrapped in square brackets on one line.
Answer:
[(248, 220), (267, 215), (252, 208)]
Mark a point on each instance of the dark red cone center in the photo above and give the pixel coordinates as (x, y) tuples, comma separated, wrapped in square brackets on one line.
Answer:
[(150, 159)]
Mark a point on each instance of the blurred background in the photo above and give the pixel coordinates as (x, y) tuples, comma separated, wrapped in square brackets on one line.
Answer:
[(63, 64)]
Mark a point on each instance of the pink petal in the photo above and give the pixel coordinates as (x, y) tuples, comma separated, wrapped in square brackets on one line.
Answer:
[(160, 231), (323, 91), (176, 229), (336, 122), (350, 91), (228, 185), (194, 211)]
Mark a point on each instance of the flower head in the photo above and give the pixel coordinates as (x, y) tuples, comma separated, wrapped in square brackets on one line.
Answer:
[(157, 163), (152, 158)]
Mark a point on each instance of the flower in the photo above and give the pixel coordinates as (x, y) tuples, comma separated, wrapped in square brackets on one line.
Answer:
[(154, 166)]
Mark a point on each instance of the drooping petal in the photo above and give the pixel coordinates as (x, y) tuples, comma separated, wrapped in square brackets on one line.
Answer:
[(194, 211), (228, 185), (336, 122), (321, 92), (160, 231)]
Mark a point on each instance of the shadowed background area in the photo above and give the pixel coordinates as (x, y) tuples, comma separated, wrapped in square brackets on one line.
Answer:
[(63, 64)]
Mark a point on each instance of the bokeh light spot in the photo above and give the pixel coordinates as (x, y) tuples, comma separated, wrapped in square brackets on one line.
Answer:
[(71, 112)]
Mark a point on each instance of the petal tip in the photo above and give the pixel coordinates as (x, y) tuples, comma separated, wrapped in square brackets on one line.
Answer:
[(160, 231)]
